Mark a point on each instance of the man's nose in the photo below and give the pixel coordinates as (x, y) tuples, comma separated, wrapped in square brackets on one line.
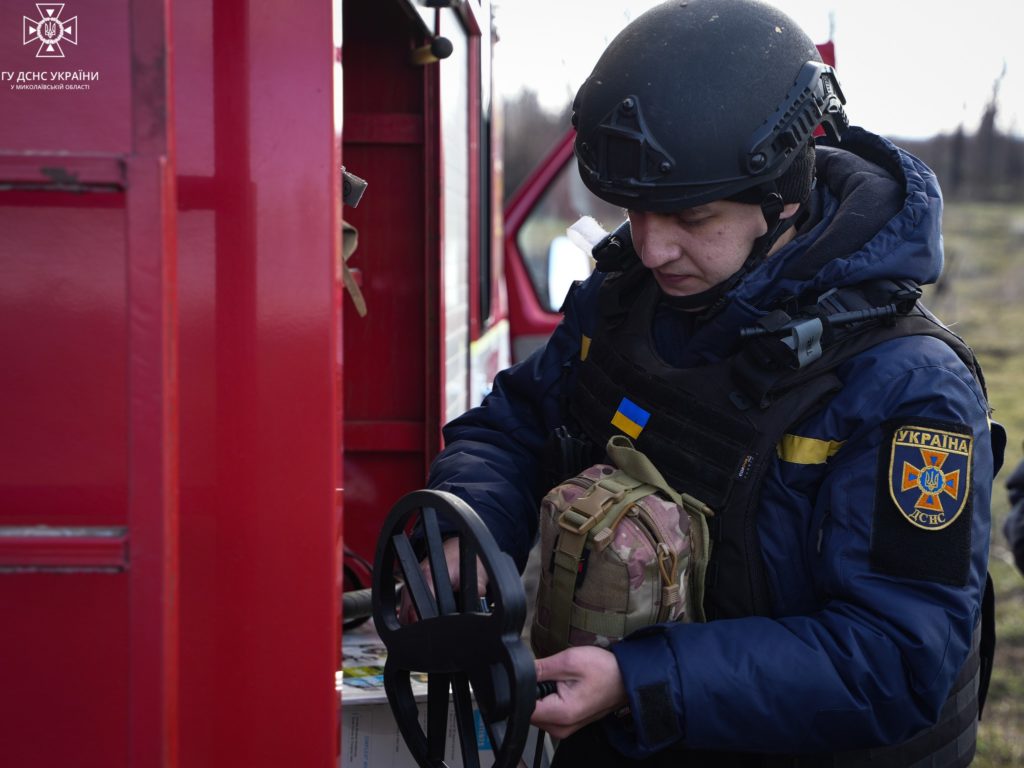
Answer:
[(661, 242)]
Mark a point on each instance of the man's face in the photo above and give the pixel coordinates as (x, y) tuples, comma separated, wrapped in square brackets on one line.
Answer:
[(697, 248)]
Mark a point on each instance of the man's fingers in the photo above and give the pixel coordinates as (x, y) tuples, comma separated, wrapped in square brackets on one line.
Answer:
[(549, 709), (407, 612), (564, 665), (589, 687), (451, 556), (546, 668)]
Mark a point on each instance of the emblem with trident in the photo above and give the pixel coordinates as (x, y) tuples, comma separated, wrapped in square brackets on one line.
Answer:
[(50, 30)]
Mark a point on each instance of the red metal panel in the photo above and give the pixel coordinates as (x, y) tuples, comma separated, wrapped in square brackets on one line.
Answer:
[(54, 172), (153, 462), (41, 547), (63, 462), (392, 384), (828, 52), (63, 459), (258, 236), (95, 119), (64, 677), (152, 395), (89, 290), (88, 486)]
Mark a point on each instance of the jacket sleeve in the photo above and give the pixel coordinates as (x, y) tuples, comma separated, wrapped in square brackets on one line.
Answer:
[(493, 453), (856, 654), (1013, 527)]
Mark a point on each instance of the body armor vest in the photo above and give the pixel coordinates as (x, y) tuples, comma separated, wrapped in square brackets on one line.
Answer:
[(712, 431)]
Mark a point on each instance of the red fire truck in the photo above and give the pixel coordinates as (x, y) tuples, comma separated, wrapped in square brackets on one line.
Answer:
[(195, 413)]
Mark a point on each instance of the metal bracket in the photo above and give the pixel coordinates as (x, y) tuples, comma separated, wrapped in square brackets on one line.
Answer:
[(805, 340)]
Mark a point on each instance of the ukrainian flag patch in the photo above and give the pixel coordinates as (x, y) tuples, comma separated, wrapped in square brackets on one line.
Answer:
[(630, 418)]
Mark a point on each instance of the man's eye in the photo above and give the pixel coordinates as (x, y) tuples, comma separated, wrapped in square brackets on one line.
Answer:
[(693, 221)]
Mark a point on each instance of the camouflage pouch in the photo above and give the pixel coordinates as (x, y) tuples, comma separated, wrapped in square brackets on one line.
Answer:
[(620, 550)]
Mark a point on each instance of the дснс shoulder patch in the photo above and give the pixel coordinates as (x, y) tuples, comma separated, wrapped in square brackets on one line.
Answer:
[(922, 520), (930, 474)]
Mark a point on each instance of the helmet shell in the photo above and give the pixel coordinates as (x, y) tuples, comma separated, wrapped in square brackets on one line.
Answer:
[(699, 100)]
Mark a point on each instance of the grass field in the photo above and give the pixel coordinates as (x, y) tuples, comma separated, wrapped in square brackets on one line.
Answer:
[(980, 297)]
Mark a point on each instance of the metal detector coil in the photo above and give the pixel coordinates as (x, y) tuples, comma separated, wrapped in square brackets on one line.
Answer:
[(468, 645)]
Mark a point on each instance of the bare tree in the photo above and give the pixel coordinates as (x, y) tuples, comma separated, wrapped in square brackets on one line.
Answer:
[(990, 144)]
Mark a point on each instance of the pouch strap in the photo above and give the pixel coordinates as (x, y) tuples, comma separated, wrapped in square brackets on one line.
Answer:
[(600, 507), (622, 453), (599, 622)]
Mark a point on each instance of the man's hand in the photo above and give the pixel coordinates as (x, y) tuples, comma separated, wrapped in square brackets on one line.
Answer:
[(407, 613), (589, 687)]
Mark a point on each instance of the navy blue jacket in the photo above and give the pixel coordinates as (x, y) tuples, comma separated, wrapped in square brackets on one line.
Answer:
[(852, 656), (1013, 526)]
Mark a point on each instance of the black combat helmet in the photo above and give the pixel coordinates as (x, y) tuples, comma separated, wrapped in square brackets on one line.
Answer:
[(700, 100)]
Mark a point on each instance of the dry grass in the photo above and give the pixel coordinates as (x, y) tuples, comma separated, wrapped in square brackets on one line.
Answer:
[(980, 296)]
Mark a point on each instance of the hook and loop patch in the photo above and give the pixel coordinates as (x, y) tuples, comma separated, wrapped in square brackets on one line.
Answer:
[(923, 503)]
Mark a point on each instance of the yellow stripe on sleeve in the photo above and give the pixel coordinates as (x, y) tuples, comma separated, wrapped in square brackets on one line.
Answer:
[(807, 450)]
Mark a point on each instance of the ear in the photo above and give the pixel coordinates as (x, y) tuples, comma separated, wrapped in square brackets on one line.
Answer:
[(788, 210)]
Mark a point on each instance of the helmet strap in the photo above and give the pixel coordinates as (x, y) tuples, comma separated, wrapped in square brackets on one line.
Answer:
[(772, 206)]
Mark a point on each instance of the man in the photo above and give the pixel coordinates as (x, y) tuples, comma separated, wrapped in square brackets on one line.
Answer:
[(756, 322), (1013, 526)]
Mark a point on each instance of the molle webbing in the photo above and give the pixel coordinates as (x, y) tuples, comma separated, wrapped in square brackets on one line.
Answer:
[(622, 550), (601, 507), (697, 447)]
